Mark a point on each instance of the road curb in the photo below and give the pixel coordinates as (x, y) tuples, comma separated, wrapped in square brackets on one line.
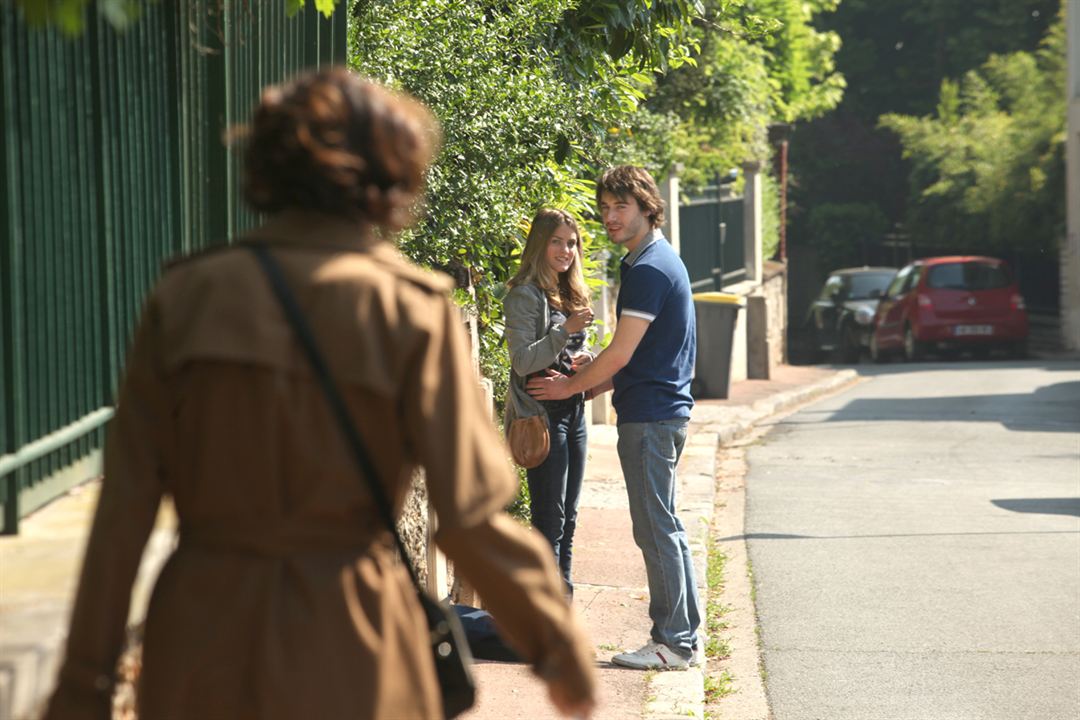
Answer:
[(681, 694)]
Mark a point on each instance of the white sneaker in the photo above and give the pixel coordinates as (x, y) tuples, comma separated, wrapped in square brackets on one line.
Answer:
[(698, 659), (654, 656)]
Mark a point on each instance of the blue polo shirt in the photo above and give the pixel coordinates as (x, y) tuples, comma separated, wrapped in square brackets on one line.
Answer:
[(655, 384)]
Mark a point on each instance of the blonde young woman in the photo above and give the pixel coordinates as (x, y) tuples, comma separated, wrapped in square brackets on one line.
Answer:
[(547, 310)]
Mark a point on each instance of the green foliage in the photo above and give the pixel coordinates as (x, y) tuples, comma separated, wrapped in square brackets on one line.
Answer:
[(652, 33), (534, 97), (841, 231), (895, 55), (723, 105), (986, 168), (802, 69), (532, 102), (760, 61), (69, 16)]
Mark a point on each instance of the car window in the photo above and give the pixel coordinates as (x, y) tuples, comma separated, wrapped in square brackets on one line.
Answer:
[(967, 276), (912, 279), (898, 282), (862, 286)]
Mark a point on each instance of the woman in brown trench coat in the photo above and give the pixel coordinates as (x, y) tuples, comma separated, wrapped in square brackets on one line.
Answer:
[(284, 598)]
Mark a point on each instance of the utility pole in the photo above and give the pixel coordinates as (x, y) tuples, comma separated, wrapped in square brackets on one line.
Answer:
[(1070, 250), (779, 136)]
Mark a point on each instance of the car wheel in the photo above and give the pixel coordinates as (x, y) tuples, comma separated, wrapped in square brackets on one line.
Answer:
[(1018, 350), (813, 350), (914, 350), (848, 350)]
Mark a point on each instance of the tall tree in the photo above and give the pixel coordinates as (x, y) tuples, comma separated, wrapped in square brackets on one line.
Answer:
[(895, 54), (760, 61), (986, 166)]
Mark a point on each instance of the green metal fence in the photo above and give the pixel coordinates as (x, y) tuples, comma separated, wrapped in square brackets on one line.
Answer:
[(711, 240), (112, 160)]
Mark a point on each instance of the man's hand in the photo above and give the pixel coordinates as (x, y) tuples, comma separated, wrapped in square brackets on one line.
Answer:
[(551, 387)]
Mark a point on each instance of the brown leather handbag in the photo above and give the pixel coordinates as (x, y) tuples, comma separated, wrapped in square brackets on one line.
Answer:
[(529, 440)]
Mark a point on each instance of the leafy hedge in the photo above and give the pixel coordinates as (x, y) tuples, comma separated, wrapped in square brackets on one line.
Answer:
[(533, 97)]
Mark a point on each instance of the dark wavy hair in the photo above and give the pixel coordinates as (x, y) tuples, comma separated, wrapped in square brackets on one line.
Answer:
[(335, 142), (631, 181)]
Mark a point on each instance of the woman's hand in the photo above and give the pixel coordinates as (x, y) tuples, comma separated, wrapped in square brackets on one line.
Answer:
[(578, 320), (580, 360)]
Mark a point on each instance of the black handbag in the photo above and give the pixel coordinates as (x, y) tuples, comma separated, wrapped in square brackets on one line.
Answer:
[(449, 649)]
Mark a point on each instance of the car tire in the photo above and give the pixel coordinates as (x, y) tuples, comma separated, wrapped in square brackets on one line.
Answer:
[(848, 350), (813, 348), (876, 353), (914, 349), (1018, 350)]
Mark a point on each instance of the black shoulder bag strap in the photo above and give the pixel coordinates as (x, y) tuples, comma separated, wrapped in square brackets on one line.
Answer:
[(450, 650)]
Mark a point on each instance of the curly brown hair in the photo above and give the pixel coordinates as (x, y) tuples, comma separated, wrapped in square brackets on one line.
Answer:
[(632, 181), (334, 142)]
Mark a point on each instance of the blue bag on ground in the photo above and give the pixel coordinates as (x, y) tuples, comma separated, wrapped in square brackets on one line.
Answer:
[(484, 640)]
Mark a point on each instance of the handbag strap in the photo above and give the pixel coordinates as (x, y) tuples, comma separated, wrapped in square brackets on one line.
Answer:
[(337, 406)]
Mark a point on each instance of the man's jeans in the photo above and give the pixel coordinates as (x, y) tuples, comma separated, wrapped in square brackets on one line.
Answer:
[(649, 453), (555, 485)]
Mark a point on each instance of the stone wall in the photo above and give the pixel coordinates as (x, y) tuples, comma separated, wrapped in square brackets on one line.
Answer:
[(413, 525), (766, 331)]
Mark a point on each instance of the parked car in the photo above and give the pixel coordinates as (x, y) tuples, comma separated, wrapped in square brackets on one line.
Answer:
[(950, 304), (843, 314)]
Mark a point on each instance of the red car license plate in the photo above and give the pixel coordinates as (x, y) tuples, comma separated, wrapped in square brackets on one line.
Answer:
[(974, 330)]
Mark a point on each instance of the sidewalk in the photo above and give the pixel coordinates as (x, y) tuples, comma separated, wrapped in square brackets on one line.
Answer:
[(39, 570), (609, 576)]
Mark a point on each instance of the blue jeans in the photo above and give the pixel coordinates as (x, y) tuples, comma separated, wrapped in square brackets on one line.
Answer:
[(555, 485), (648, 453)]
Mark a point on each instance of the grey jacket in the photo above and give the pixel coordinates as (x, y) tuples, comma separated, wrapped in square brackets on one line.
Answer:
[(532, 347)]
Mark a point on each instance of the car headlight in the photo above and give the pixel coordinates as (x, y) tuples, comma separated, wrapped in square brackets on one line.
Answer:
[(864, 316)]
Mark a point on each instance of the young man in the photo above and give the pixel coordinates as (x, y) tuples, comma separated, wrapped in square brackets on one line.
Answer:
[(649, 363)]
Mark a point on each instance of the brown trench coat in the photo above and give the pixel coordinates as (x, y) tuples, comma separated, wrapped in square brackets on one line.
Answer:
[(284, 599)]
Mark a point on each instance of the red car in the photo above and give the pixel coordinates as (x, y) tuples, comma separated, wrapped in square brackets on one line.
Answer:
[(950, 304)]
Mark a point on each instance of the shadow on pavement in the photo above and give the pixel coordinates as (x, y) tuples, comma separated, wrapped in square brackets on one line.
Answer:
[(1051, 408), (1041, 506), (898, 368), (787, 536)]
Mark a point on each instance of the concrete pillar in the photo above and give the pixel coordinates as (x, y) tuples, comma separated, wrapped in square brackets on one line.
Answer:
[(601, 411), (669, 191), (1070, 249), (757, 338), (752, 221)]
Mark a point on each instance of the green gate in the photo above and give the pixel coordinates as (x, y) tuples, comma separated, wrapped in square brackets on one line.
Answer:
[(111, 159), (711, 241)]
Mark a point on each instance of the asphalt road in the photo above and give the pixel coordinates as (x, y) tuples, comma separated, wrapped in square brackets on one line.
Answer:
[(915, 545)]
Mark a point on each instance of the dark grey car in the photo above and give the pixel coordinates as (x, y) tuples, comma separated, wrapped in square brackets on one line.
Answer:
[(841, 318)]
